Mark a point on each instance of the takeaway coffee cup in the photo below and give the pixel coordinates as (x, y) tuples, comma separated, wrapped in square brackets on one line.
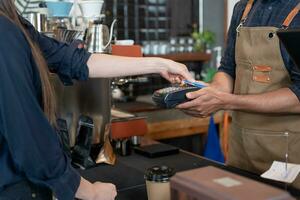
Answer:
[(158, 182)]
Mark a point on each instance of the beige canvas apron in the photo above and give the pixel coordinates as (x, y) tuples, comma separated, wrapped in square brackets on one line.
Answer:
[(256, 140)]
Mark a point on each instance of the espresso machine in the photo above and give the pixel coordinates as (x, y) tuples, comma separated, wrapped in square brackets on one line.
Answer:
[(91, 98)]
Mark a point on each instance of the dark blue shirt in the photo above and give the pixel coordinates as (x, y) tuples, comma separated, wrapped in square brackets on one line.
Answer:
[(29, 147), (264, 13)]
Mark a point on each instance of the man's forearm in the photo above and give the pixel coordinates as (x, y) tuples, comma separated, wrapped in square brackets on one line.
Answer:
[(223, 82), (219, 97), (280, 101)]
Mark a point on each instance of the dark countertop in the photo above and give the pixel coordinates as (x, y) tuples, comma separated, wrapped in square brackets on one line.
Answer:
[(128, 173)]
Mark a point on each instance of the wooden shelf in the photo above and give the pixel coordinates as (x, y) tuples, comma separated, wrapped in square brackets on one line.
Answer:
[(186, 57)]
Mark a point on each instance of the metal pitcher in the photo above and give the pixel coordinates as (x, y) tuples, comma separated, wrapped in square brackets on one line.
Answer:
[(38, 20), (98, 37)]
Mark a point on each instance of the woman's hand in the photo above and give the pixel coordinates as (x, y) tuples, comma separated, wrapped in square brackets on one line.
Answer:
[(174, 72), (96, 191), (104, 191)]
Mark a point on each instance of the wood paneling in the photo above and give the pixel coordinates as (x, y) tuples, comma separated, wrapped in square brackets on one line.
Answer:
[(181, 128)]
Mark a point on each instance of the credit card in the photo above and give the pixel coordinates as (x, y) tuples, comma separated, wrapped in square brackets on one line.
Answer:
[(195, 84)]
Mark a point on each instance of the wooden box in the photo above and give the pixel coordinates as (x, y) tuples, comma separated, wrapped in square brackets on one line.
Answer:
[(128, 51), (210, 183), (125, 125)]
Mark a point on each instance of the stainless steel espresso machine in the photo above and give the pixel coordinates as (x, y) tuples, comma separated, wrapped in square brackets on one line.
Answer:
[(91, 98)]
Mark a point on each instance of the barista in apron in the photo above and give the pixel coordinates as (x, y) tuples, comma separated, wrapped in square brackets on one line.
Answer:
[(256, 139)]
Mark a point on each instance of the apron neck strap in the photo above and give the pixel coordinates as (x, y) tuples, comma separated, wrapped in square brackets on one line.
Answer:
[(291, 16), (247, 10)]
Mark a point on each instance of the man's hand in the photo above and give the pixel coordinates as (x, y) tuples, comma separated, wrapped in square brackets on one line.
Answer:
[(205, 101)]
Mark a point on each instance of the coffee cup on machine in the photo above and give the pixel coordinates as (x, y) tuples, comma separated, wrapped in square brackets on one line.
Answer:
[(158, 182)]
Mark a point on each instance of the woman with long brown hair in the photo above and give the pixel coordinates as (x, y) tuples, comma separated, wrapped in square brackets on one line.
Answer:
[(32, 162)]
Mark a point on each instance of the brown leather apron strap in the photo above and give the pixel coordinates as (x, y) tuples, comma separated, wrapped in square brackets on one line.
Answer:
[(247, 10), (291, 16)]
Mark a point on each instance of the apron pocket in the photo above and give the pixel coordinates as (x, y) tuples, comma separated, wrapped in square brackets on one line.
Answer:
[(264, 147), (243, 77), (253, 78)]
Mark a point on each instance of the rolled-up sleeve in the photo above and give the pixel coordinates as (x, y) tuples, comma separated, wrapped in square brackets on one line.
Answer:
[(66, 60), (33, 144), (228, 64), (293, 69), (295, 77)]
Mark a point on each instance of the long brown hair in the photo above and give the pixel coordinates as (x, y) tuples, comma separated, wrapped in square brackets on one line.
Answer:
[(8, 9)]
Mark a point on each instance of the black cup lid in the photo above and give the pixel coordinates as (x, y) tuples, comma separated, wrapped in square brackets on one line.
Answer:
[(159, 173)]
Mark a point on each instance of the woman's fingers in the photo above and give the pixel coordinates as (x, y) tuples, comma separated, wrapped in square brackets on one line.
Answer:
[(184, 72), (177, 69)]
